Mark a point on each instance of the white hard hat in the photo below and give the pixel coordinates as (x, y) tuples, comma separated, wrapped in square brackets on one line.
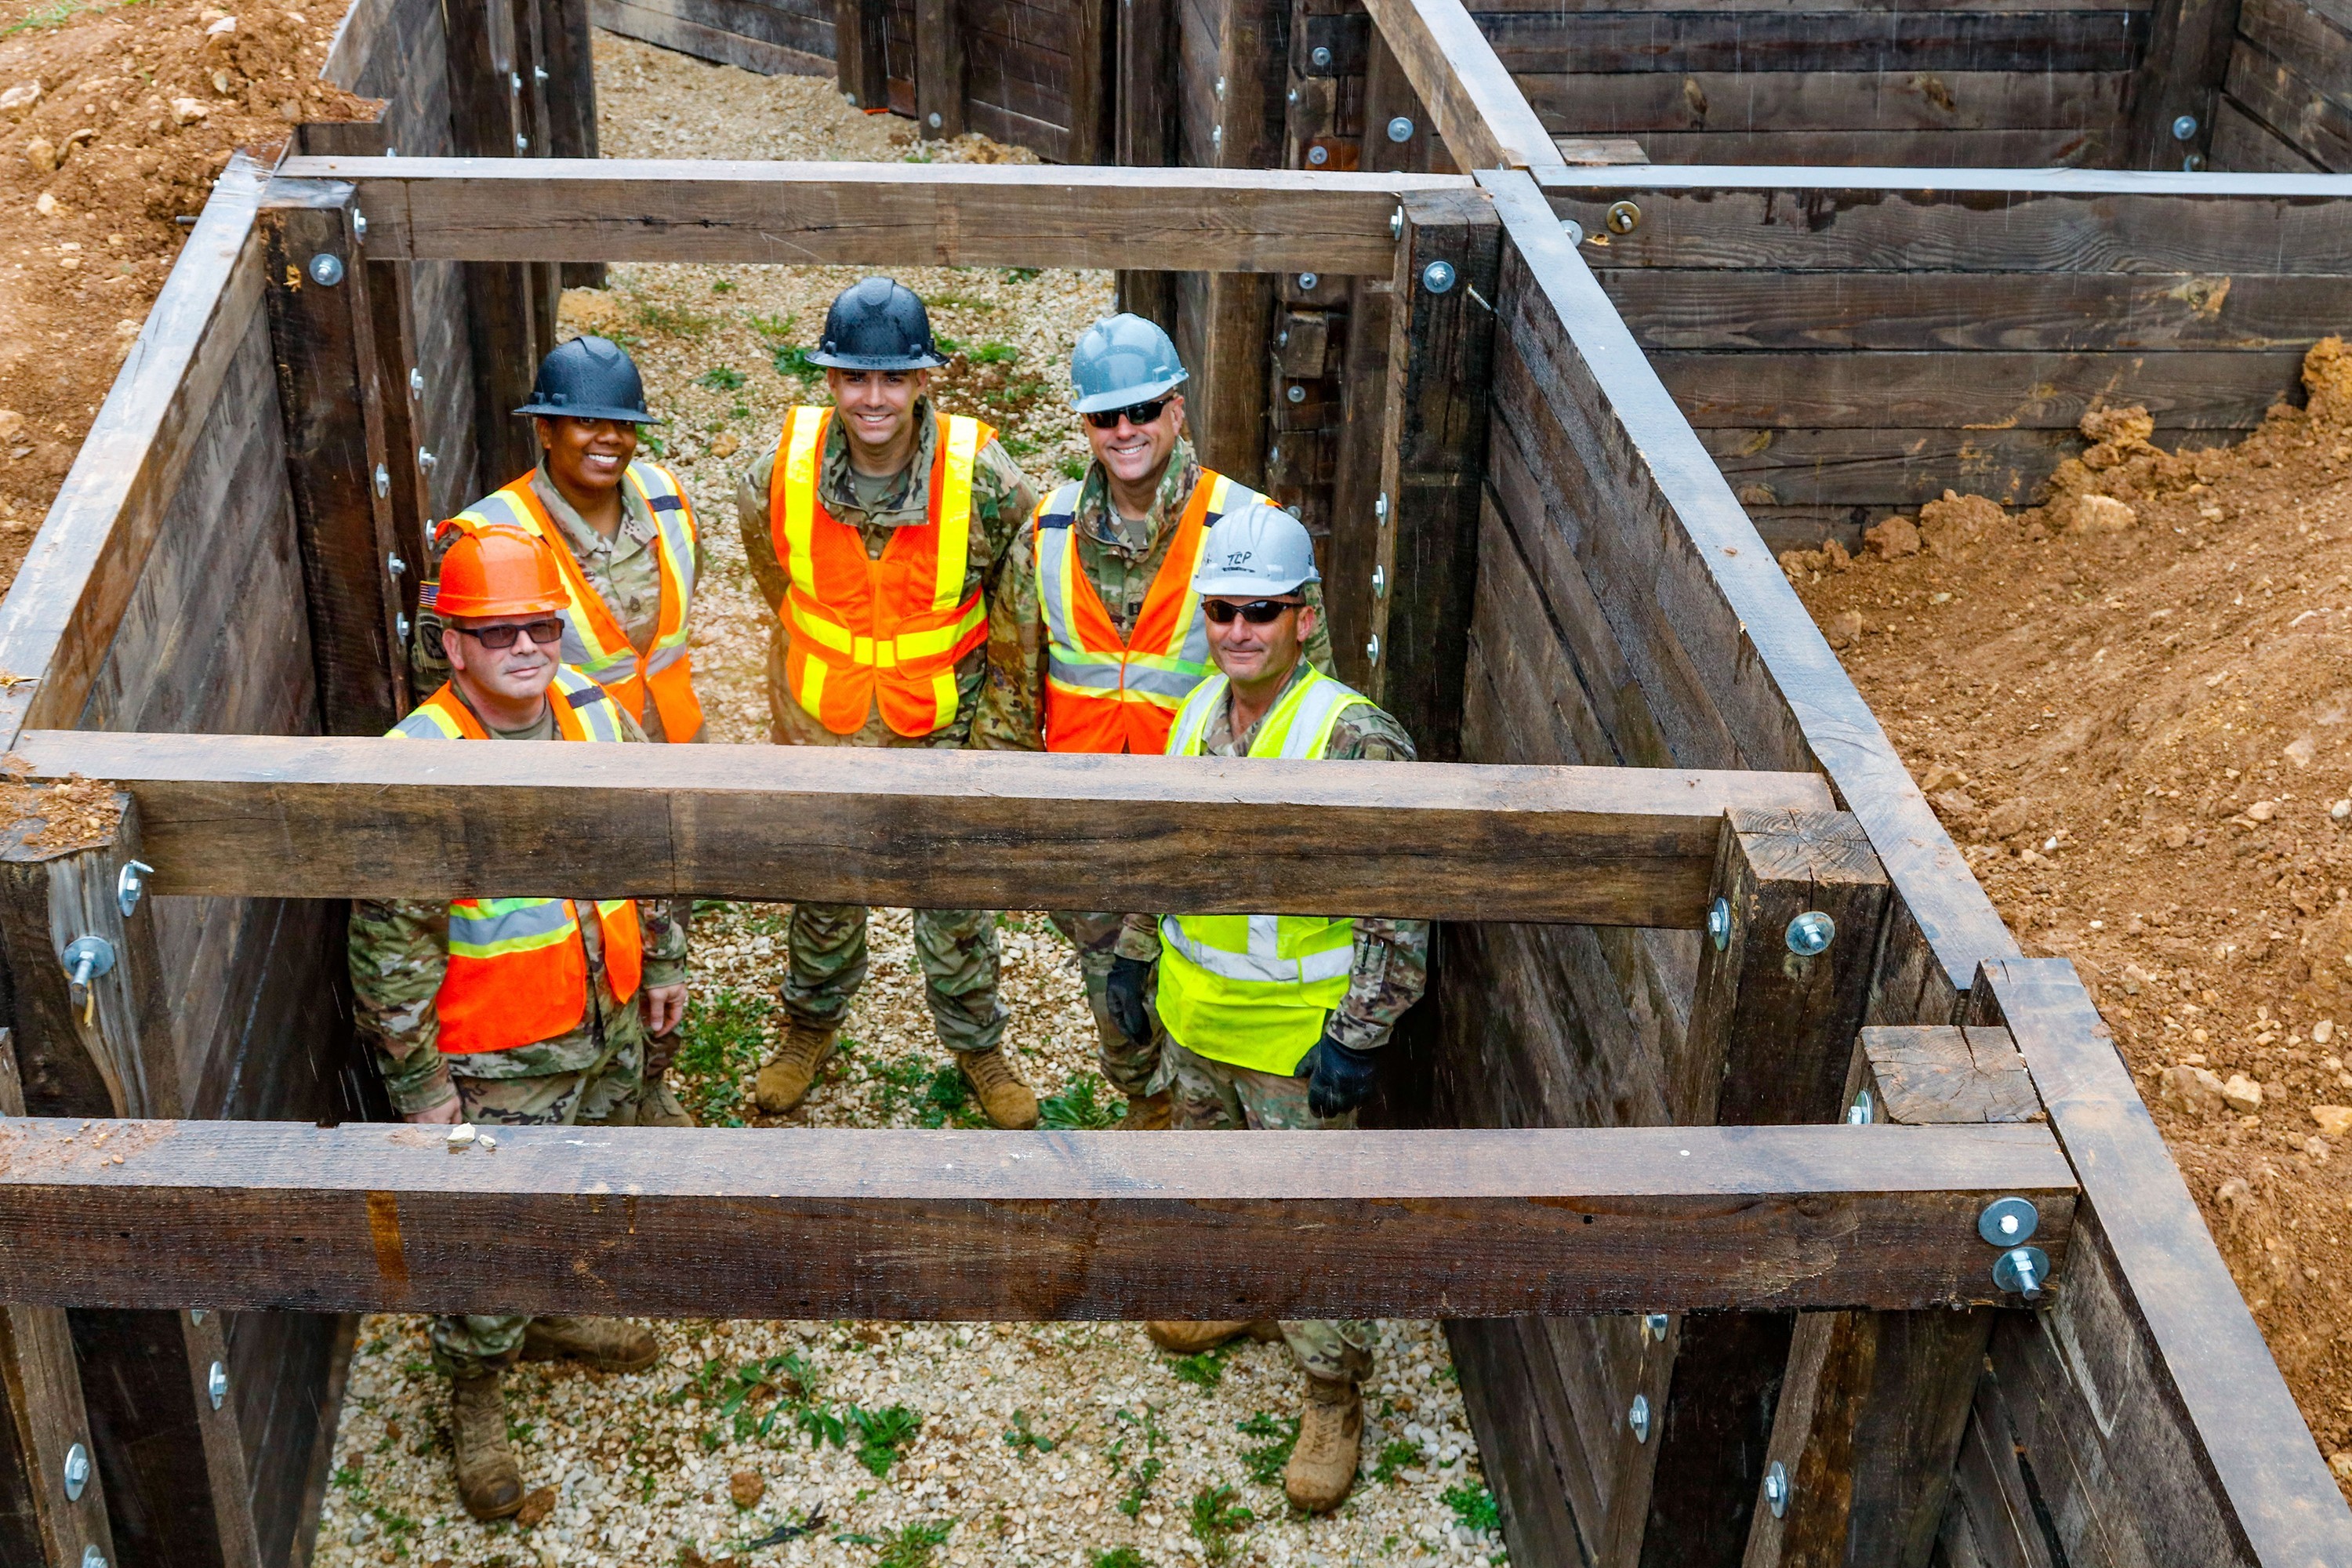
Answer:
[(1255, 551)]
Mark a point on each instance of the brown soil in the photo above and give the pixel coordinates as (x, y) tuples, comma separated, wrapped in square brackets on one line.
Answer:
[(2131, 706), (138, 109)]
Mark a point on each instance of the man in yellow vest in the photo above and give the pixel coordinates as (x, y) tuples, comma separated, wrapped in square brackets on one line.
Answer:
[(515, 1011), (1276, 1021), (630, 552), (1106, 635), (878, 529)]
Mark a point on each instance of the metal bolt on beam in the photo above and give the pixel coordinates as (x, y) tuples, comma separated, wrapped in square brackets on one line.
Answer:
[(1401, 129), (1624, 217), (2184, 127), (539, 73), (1573, 229), (1438, 277), (1396, 224), (522, 144), (358, 225), (1719, 923), (1292, 97), (86, 958), (77, 1472), (2022, 1270), (425, 459), (1811, 933), (514, 81), (1380, 582), (1308, 279), (1318, 155), (2192, 164), (91, 1557), (383, 481), (1655, 1326), (395, 566), (326, 270), (2009, 1222), (415, 382), (131, 884), (1776, 1488), (1372, 649), (1638, 1418), (400, 626), (1862, 1112), (1320, 57), (1296, 393), (1380, 507), (216, 1385)]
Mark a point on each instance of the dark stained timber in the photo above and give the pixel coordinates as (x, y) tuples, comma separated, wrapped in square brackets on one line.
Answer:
[(951, 1225)]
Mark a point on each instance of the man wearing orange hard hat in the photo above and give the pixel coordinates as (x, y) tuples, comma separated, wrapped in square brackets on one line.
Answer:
[(515, 1012)]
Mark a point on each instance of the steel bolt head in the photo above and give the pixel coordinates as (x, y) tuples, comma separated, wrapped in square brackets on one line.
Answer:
[(522, 144), (1655, 1326), (1308, 279), (2023, 1271), (130, 885), (1573, 229), (326, 270), (2184, 127), (1318, 155), (1776, 1488), (1862, 1112), (1380, 507), (1719, 923), (1296, 393), (2008, 1222), (539, 73), (358, 225), (1372, 649), (77, 1472), (91, 1557), (1811, 933), (216, 1385), (1438, 277), (2192, 164), (1401, 129), (383, 481), (1396, 224), (1320, 57), (1380, 582), (416, 382), (1624, 217), (1638, 1418)]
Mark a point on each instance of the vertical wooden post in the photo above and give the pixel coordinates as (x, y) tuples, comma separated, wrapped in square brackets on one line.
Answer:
[(1871, 1414), (1094, 75), (1356, 529), (2187, 54), (568, 47), (42, 1421), (938, 68), (1433, 453), (1388, 96), (102, 1047), (504, 312), (860, 30), (322, 328), (1143, 121), (1771, 1040)]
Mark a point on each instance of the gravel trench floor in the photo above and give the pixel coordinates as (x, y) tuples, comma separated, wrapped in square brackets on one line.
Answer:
[(874, 1443)]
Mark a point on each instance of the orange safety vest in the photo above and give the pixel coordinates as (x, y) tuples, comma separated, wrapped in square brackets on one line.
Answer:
[(593, 642), (518, 970), (868, 632), (1103, 694)]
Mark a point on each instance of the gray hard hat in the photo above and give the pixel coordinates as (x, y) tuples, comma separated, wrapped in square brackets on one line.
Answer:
[(1121, 360), (876, 323), (589, 378), (1255, 550)]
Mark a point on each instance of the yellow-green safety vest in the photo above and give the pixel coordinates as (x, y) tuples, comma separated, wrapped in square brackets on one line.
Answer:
[(1255, 990)]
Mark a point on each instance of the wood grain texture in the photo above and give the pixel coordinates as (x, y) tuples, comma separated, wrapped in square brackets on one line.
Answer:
[(740, 33), (1922, 1075), (1633, 102), (2252, 1485), (907, 213), (2243, 141), (2029, 147), (1008, 1226), (2188, 48), (1612, 41), (1481, 112), (2275, 92), (42, 1416), (336, 818)]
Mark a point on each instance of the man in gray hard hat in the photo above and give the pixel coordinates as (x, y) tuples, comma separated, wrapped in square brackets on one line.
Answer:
[(1103, 634), (1276, 1021), (893, 657)]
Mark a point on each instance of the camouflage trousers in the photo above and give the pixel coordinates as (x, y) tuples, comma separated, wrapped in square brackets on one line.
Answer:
[(611, 1091), (1217, 1097), (1129, 1065), (958, 950)]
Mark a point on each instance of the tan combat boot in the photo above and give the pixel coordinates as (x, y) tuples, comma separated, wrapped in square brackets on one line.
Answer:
[(659, 1105), (785, 1081), (1147, 1113), (608, 1344), (488, 1483), (1322, 1468), (1004, 1100), (1192, 1339)]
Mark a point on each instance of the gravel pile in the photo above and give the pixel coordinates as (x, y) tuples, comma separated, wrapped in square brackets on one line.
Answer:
[(884, 1444)]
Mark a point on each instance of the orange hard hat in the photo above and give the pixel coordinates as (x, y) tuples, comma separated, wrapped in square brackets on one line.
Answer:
[(499, 571)]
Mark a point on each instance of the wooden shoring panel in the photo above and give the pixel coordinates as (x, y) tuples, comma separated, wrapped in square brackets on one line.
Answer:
[(2145, 1401), (261, 817), (1481, 113), (77, 578), (1634, 103), (1613, 40), (951, 1225), (923, 214)]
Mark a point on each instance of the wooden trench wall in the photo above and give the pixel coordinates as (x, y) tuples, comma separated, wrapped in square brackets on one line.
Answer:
[(1568, 576)]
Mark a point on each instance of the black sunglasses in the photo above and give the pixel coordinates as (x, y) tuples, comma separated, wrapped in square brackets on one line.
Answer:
[(503, 637), (1136, 414), (1257, 612)]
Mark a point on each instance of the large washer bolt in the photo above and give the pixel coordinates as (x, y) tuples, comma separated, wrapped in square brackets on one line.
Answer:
[(1811, 933)]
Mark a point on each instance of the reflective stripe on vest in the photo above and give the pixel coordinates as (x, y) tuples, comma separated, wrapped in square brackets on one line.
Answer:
[(1103, 694), (869, 634), (1254, 990), (593, 641), (518, 970)]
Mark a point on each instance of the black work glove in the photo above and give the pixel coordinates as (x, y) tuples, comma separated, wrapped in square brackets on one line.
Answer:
[(1338, 1078), (1123, 995)]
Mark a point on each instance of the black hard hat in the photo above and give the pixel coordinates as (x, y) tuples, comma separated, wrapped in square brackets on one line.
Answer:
[(878, 323), (589, 378)]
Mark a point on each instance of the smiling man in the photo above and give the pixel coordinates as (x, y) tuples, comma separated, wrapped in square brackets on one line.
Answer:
[(1102, 634), (879, 530)]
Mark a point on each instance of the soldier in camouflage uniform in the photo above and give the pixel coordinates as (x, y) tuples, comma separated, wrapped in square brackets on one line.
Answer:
[(1125, 520), (437, 1035), (870, 467), (1277, 1021)]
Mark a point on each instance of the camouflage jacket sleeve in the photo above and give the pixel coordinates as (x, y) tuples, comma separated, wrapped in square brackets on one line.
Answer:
[(1010, 718), (759, 539), (398, 954), (1390, 969)]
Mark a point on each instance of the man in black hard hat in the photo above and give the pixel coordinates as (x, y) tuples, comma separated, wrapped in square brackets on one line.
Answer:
[(888, 657), (630, 551)]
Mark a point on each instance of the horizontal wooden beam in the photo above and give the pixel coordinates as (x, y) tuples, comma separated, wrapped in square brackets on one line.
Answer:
[(1480, 111), (878, 214), (262, 817), (828, 1223)]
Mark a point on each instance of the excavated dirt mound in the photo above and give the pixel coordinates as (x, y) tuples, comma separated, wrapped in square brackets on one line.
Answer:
[(114, 121), (2132, 706)]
